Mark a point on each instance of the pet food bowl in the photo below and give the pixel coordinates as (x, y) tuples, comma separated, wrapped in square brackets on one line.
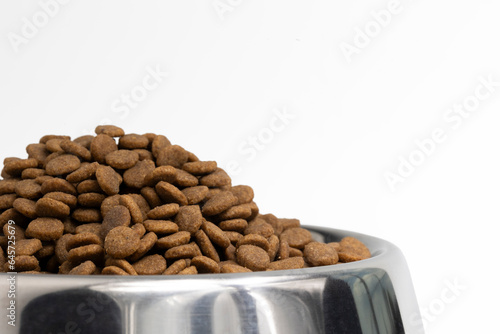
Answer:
[(370, 296)]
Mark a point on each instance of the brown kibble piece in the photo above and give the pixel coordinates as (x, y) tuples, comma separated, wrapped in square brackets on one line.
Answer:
[(28, 246), (188, 271), (76, 149), (132, 141), (164, 211), (252, 257), (57, 184), (242, 211), (290, 263), (200, 167), (108, 180), (172, 155), (237, 225), (170, 193), (259, 226), (189, 218), (45, 229), (121, 242), (283, 250), (219, 203), (174, 240), (8, 186), (135, 176), (86, 171), (296, 237), (151, 197), (254, 239), (87, 215), (215, 234), (91, 199), (352, 249), (26, 207), (233, 268), (151, 265), (175, 267), (122, 159), (181, 252), (146, 243), (335, 245), (243, 193), (195, 195), (184, 179), (133, 207), (48, 207), (16, 167), (110, 130), (101, 146), (122, 264), (7, 201), (159, 142), (116, 216), (161, 173), (23, 263), (114, 270), (32, 173), (85, 268), (26, 188), (219, 178), (161, 226), (205, 265), (320, 254), (65, 198), (92, 252), (63, 164)]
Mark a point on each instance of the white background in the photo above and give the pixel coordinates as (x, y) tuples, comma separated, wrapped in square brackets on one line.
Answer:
[(350, 118)]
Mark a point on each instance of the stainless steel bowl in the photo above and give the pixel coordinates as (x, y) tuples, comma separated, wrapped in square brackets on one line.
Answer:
[(370, 296)]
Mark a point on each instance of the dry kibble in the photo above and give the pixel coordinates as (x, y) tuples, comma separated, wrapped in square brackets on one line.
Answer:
[(174, 240), (320, 254), (172, 155), (161, 226), (116, 216), (175, 267), (132, 141), (205, 264), (129, 204), (86, 171), (151, 265), (290, 263), (121, 242), (100, 146), (252, 257), (63, 164), (200, 167), (110, 130), (122, 159), (28, 246), (170, 193), (135, 176), (296, 237), (76, 149), (189, 218), (48, 207), (254, 239), (164, 211), (85, 268), (109, 180), (219, 203), (145, 244), (45, 229), (352, 249), (195, 195)]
